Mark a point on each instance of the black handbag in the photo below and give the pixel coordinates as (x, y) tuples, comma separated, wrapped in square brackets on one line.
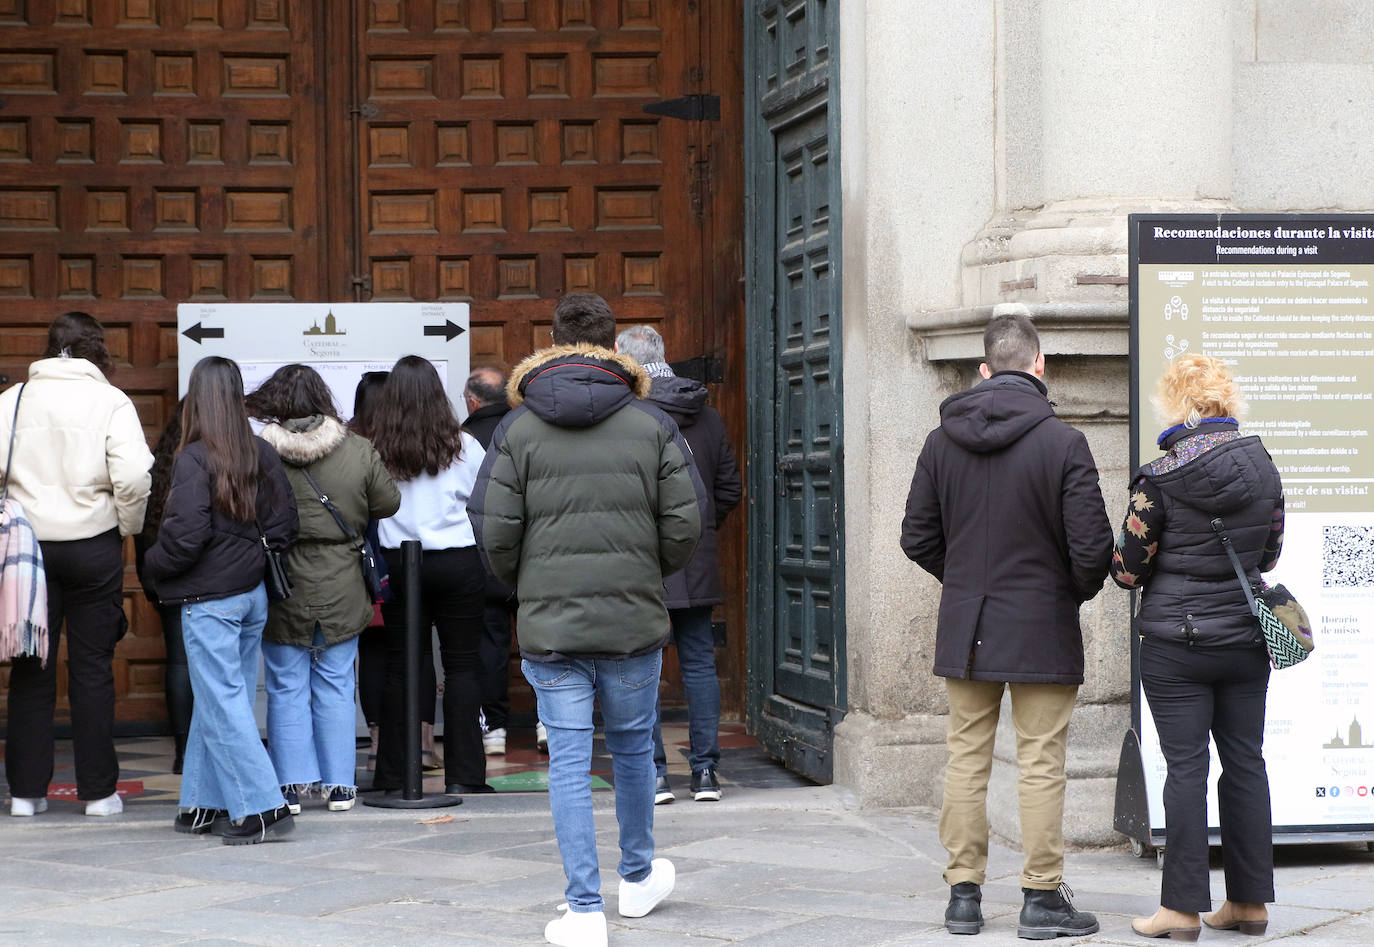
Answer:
[(1283, 622), (374, 579), (274, 575)]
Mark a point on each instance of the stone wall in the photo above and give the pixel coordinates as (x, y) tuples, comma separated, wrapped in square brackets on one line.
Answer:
[(991, 151)]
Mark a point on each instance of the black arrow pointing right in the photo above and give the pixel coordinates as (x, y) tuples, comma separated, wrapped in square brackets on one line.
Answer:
[(198, 332), (449, 330)]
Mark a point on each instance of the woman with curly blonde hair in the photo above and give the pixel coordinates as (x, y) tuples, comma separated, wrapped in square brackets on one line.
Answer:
[(1203, 664)]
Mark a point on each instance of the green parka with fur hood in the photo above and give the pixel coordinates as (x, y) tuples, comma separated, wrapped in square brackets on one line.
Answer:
[(586, 500), (323, 563)]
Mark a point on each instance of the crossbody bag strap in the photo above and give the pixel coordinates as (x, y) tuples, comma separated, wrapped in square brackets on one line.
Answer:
[(1219, 528), (9, 457), (348, 531)]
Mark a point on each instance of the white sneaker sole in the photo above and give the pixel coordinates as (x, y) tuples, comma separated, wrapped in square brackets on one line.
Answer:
[(663, 798), (707, 795), (341, 805)]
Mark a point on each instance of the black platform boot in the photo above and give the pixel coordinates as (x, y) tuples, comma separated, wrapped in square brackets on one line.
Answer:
[(1049, 914), (965, 912)]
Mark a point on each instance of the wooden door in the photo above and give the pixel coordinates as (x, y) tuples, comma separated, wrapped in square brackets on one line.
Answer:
[(797, 664), (151, 153), (507, 158), (490, 151)]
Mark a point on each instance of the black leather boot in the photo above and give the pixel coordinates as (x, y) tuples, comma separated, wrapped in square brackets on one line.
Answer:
[(1049, 914), (965, 912)]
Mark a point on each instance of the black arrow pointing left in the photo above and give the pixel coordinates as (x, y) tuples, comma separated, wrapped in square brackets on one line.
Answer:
[(198, 332), (449, 330)]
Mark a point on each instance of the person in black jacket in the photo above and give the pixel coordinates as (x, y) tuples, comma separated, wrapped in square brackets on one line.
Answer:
[(229, 499), (691, 593), (1005, 510), (485, 396), (1202, 659)]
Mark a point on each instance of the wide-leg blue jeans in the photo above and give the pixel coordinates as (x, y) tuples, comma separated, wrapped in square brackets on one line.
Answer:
[(627, 689), (310, 712), (226, 764)]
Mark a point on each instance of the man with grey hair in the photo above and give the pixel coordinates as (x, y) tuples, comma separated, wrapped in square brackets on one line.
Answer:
[(1005, 510), (691, 593)]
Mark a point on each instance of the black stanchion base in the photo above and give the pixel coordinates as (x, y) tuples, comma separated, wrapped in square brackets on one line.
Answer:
[(395, 799)]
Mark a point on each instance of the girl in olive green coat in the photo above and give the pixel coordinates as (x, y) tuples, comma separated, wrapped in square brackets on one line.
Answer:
[(311, 640)]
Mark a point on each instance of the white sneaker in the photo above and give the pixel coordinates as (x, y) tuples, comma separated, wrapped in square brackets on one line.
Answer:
[(25, 807), (494, 742), (638, 898), (541, 737), (110, 805), (571, 929)]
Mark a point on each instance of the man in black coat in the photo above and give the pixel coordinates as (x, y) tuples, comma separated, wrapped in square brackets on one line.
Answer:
[(691, 593), (1006, 512), (485, 395)]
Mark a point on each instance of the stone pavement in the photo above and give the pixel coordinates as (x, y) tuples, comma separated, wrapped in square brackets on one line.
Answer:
[(787, 864)]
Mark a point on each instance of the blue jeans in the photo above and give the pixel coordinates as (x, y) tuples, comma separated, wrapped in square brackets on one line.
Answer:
[(310, 715), (626, 688), (226, 764), (696, 656)]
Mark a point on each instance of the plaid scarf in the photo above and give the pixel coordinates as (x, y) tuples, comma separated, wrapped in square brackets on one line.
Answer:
[(23, 588)]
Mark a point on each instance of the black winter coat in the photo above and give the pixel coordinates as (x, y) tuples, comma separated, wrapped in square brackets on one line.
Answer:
[(1005, 510), (481, 424), (200, 553), (684, 400), (1191, 590)]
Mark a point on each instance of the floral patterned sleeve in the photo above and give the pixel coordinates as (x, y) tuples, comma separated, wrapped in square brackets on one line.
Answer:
[(1138, 540)]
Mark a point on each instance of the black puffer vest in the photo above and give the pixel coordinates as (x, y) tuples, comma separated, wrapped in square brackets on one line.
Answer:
[(1193, 594)]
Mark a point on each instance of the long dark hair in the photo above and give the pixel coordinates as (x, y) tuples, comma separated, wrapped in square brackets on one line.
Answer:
[(414, 428), (293, 391), (77, 334), (365, 399), (213, 413)]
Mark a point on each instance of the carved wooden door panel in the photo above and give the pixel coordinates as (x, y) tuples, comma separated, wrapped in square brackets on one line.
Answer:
[(507, 158), (153, 152)]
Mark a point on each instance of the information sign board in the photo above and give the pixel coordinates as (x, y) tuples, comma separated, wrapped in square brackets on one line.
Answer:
[(339, 340), (1287, 301)]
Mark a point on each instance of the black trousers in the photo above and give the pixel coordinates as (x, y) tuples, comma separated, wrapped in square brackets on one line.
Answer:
[(497, 616), (372, 678), (452, 591), (1194, 691), (177, 676), (85, 581)]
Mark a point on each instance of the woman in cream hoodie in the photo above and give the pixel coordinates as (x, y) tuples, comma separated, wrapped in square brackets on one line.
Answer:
[(80, 470)]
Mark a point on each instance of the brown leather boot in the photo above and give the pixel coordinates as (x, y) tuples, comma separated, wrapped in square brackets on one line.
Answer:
[(1176, 925), (1239, 916)]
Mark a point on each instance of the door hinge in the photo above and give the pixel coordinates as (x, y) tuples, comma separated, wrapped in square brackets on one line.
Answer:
[(692, 108), (363, 283)]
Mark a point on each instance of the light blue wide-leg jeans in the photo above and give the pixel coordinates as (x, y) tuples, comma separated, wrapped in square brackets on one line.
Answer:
[(226, 765), (627, 689), (310, 713)]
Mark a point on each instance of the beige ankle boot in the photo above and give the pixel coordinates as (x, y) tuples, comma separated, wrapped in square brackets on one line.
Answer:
[(1239, 916), (1176, 925)]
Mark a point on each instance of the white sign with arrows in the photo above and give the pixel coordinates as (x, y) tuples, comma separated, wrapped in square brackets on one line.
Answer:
[(340, 340)]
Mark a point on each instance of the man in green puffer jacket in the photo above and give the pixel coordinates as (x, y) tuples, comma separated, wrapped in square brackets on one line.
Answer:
[(588, 497)]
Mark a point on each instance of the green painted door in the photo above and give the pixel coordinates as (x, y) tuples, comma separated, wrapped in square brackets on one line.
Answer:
[(796, 566)]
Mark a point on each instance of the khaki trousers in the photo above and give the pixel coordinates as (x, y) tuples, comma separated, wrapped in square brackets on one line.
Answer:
[(1040, 713)]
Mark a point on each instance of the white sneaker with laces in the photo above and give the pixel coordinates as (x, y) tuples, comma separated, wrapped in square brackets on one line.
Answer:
[(541, 737), (110, 805), (571, 929), (494, 742), (26, 807), (638, 898)]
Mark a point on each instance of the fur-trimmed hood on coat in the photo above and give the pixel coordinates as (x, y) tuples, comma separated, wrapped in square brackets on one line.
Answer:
[(576, 385), (302, 441)]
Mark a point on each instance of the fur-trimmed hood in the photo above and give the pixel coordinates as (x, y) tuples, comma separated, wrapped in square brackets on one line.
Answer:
[(302, 441), (576, 385)]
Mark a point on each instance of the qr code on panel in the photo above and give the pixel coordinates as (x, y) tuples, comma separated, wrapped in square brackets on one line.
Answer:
[(1347, 556)]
